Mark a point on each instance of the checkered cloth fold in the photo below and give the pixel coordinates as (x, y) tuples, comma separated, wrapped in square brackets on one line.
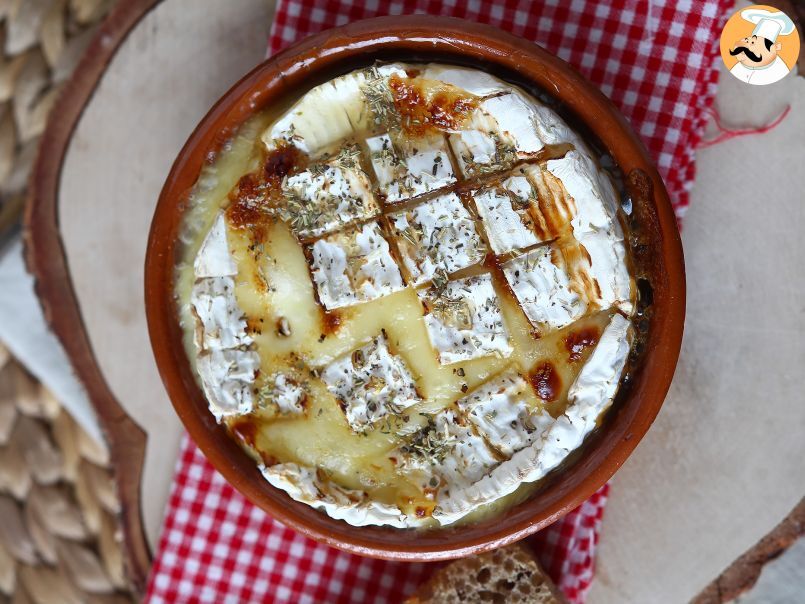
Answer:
[(657, 62)]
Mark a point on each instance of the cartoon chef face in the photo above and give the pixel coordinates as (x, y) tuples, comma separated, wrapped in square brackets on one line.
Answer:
[(755, 51)]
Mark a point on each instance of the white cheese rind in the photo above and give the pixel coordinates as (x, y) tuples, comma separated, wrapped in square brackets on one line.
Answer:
[(349, 505), (325, 115), (543, 289), (421, 167), (465, 457), (501, 130), (284, 393), (589, 396), (213, 258), (504, 411), (515, 117), (481, 146), (473, 81), (225, 366), (465, 321), (445, 238), (370, 384), (328, 113), (506, 229), (332, 197), (596, 227), (220, 318), (552, 129), (227, 377), (354, 266)]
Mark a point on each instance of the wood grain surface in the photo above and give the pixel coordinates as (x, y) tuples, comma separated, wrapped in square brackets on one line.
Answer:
[(47, 261)]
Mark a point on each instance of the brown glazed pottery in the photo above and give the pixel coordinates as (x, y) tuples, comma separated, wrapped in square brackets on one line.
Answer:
[(653, 240)]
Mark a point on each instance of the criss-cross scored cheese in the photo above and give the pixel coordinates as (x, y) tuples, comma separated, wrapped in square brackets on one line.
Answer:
[(370, 383), (437, 234), (464, 320), (418, 299), (552, 440), (354, 266)]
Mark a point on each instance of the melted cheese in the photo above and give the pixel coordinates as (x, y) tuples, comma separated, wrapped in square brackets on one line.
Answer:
[(385, 375)]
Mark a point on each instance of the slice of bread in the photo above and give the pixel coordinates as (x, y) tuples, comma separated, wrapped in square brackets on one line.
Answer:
[(509, 575)]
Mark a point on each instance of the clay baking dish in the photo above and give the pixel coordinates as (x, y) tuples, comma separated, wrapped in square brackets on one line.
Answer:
[(653, 240)]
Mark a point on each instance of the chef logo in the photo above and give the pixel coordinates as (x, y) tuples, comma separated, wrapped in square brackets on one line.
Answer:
[(760, 45)]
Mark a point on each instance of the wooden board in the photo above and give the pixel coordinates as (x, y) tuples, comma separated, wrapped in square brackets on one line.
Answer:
[(148, 78), (108, 344)]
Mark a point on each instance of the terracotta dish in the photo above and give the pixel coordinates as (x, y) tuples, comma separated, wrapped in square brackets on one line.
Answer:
[(653, 241)]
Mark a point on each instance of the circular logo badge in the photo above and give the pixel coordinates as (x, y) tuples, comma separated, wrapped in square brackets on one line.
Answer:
[(760, 45)]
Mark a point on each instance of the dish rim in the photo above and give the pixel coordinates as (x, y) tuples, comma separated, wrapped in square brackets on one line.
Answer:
[(330, 53)]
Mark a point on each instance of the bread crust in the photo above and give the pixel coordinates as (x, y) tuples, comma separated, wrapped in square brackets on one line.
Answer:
[(509, 575)]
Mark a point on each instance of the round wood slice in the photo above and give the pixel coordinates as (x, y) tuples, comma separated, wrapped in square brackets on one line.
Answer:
[(151, 74)]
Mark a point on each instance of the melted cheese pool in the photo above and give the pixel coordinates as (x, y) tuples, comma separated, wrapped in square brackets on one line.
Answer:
[(407, 296)]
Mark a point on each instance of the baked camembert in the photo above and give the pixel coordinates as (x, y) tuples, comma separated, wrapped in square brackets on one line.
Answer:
[(408, 295)]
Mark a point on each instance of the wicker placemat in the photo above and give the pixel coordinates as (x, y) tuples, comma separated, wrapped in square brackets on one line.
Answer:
[(59, 539), (41, 42)]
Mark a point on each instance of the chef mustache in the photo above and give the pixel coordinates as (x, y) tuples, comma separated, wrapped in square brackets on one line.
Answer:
[(743, 49)]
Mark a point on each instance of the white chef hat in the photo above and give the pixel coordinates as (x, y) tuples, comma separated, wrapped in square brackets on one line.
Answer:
[(769, 25)]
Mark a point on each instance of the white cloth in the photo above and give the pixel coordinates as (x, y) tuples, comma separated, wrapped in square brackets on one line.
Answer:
[(25, 333), (776, 70)]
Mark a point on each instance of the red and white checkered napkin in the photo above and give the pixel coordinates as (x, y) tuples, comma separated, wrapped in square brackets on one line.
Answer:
[(217, 547), (657, 62)]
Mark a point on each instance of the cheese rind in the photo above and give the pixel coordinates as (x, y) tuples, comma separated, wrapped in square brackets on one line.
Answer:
[(465, 321), (227, 377), (463, 456), (505, 411), (473, 81), (349, 505), (225, 365), (596, 227), (420, 167), (330, 198), (283, 392), (213, 258), (370, 384), (354, 266), (500, 131), (590, 395), (437, 234), (221, 319), (504, 213), (542, 288)]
